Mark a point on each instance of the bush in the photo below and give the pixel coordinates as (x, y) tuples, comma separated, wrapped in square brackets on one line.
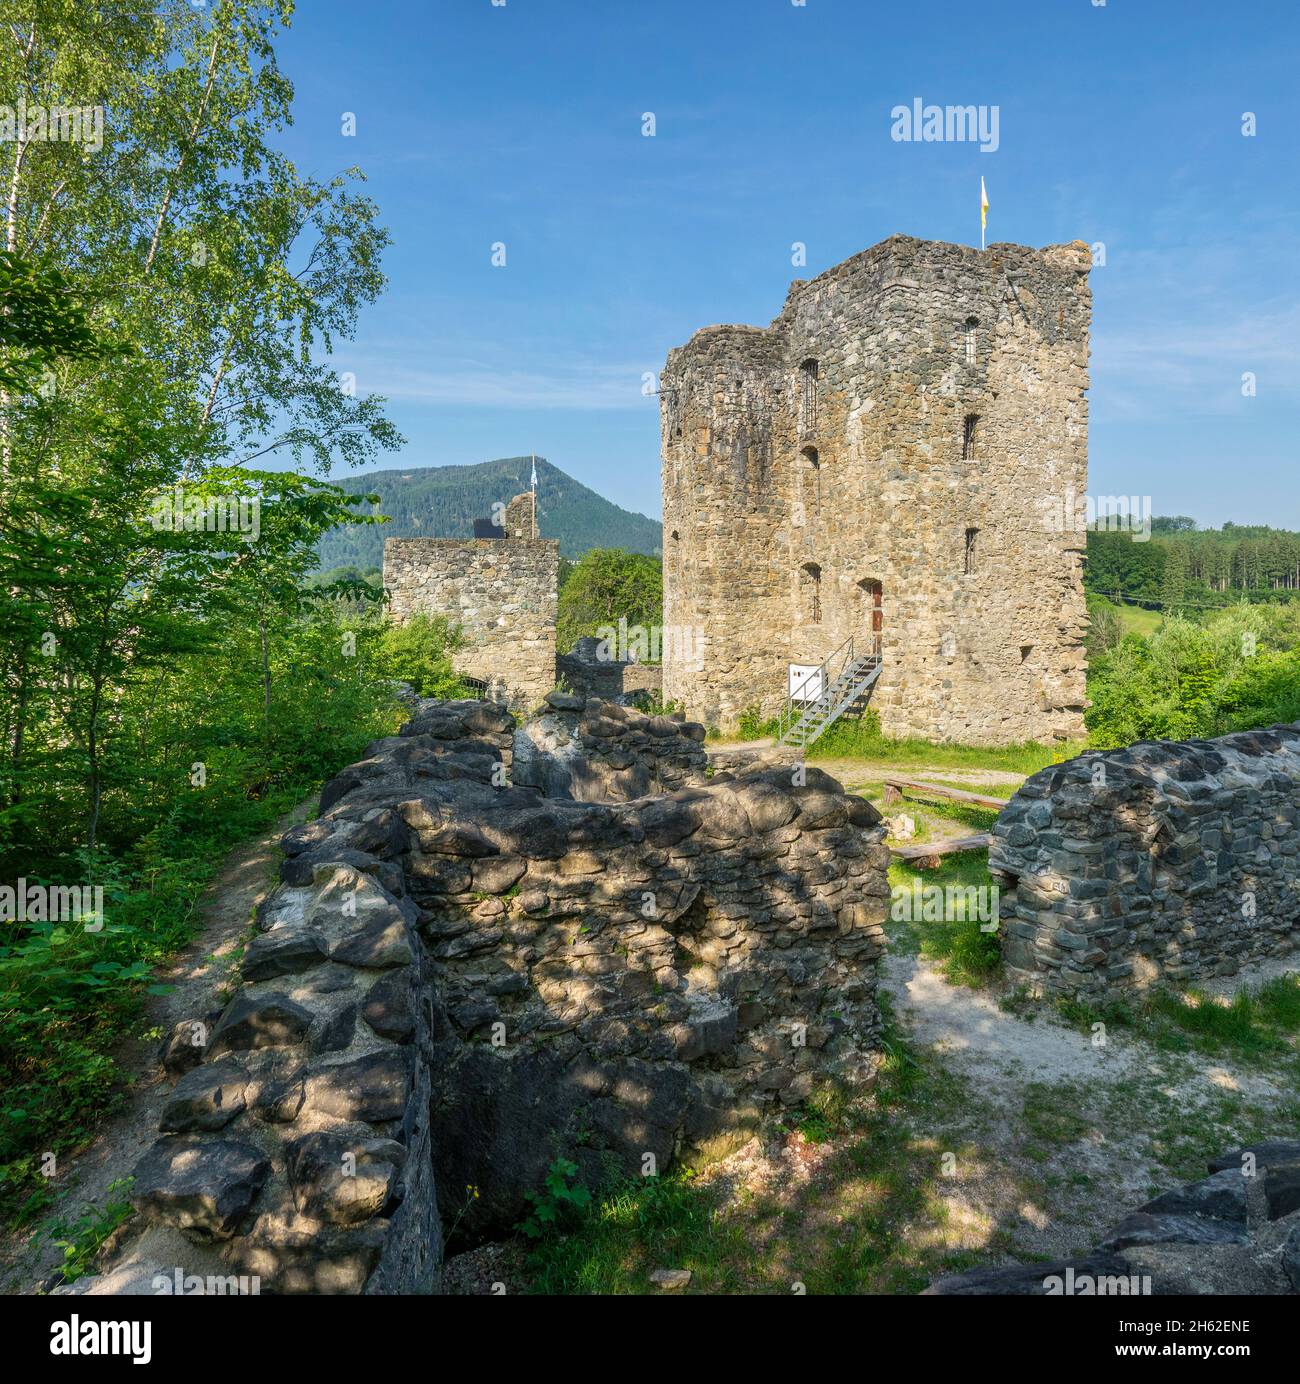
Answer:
[(851, 738), (750, 724), (1235, 670), (1105, 629), (419, 652), (68, 997)]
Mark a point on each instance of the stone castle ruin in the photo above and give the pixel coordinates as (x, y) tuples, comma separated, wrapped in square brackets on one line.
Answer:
[(499, 589), (510, 938), (859, 498)]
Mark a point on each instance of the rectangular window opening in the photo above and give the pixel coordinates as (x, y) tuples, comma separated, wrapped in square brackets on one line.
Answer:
[(968, 437)]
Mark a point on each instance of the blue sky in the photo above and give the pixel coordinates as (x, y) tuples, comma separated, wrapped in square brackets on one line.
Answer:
[(521, 123)]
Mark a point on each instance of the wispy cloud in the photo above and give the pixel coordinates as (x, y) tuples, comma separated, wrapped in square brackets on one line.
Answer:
[(583, 385)]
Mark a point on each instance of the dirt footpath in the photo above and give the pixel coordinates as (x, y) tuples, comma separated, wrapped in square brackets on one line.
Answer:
[(199, 974)]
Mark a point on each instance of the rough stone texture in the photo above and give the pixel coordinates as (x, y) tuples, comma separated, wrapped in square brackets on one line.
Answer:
[(643, 682), (1159, 863), (993, 656), (460, 979), (204, 1187), (1221, 1235), (501, 593), (599, 751), (587, 670), (628, 978)]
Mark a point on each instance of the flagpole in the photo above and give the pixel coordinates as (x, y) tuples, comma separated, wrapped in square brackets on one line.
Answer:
[(534, 478)]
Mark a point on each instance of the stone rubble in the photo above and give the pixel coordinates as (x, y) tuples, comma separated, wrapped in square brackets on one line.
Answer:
[(1234, 1232)]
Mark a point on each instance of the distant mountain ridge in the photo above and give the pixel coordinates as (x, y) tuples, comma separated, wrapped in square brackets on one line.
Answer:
[(444, 501)]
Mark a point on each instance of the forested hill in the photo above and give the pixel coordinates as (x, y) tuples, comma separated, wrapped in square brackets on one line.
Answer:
[(444, 501), (1184, 565)]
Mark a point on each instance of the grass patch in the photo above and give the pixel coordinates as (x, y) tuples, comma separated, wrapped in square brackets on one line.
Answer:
[(1259, 1026), (862, 740), (850, 1229), (82, 1239), (1175, 1129), (1139, 620), (955, 943)]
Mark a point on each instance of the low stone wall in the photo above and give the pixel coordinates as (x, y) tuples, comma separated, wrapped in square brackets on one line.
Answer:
[(1162, 862), (460, 980), (1234, 1232), (599, 751), (643, 681)]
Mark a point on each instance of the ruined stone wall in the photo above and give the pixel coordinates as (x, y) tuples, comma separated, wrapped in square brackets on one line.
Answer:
[(871, 486), (643, 682), (1162, 862), (595, 750), (460, 980), (642, 980), (585, 672), (502, 595)]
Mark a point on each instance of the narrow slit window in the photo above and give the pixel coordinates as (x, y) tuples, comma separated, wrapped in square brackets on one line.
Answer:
[(814, 481), (969, 561), (808, 396), (972, 326), (968, 436), (812, 576)]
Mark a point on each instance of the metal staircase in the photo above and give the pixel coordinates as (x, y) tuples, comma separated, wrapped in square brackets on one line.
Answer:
[(842, 693)]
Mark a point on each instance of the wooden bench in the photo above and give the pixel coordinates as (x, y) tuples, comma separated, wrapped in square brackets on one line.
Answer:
[(896, 788), (927, 853)]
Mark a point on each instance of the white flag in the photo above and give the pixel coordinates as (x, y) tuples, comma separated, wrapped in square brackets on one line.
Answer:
[(534, 473)]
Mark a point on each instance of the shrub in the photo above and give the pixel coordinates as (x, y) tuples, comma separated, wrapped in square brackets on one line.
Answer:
[(419, 652)]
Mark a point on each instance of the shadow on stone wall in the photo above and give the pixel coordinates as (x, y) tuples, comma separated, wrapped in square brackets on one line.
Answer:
[(460, 980)]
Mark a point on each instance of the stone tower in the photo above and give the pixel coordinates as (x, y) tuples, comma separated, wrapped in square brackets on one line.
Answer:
[(890, 461), (500, 593)]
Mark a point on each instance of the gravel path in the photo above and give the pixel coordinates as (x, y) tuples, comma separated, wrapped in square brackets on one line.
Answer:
[(1102, 1166)]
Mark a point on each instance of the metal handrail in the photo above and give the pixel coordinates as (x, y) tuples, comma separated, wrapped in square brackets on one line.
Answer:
[(788, 716)]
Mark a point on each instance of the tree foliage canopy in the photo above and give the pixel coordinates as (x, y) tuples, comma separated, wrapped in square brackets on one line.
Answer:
[(607, 585)]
